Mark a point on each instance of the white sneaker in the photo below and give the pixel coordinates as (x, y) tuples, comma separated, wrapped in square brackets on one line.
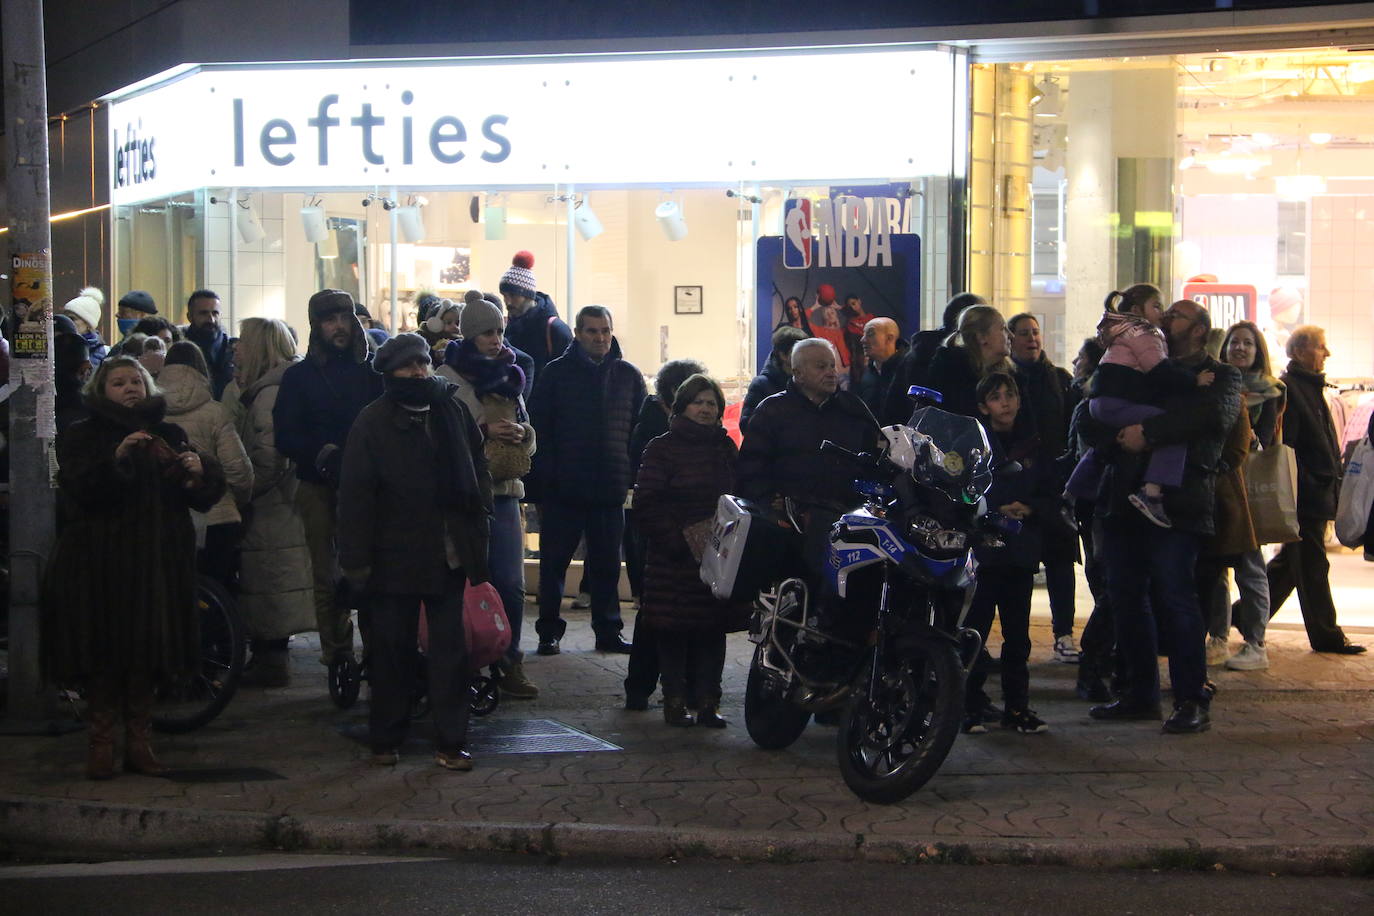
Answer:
[(1217, 650), (1251, 657), (1066, 650), (582, 601)]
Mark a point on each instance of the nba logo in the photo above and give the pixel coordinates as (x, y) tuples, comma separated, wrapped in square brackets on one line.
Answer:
[(796, 240)]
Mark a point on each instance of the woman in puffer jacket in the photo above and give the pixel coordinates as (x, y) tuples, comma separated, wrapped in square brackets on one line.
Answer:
[(185, 383), (276, 584)]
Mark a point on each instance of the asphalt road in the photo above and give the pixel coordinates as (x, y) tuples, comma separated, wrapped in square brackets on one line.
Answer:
[(278, 884)]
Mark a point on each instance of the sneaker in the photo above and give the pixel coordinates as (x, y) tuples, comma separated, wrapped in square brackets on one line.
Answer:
[(1066, 650), (973, 725), (1152, 507), (1217, 650), (459, 760), (547, 647), (582, 601), (514, 683), (1024, 721), (1251, 657)]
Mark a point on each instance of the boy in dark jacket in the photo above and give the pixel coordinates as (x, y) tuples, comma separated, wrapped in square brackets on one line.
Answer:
[(1006, 573)]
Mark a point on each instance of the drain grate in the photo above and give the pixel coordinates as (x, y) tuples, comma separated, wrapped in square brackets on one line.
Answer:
[(504, 736)]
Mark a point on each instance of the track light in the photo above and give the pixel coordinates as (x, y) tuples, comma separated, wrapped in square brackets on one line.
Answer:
[(315, 223), (669, 216), (410, 223), (246, 221), (584, 218)]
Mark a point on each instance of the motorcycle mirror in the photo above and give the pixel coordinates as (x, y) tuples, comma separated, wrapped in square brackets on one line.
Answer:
[(930, 394)]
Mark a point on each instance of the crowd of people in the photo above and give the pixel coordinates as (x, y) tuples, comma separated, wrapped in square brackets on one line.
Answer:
[(391, 473)]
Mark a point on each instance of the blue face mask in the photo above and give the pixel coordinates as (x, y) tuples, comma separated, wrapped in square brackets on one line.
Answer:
[(126, 325)]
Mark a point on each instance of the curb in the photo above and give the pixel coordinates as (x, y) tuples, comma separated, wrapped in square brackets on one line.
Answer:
[(63, 827)]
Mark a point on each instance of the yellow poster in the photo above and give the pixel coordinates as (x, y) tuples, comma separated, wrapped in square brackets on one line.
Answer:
[(31, 298)]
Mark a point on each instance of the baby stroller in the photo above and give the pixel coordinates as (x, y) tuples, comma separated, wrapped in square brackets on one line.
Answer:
[(347, 673)]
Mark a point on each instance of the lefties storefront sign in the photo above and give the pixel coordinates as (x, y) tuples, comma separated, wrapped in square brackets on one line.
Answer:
[(633, 119)]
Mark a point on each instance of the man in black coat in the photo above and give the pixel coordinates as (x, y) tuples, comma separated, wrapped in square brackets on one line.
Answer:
[(781, 454), (203, 329), (772, 378), (583, 408), (1309, 431), (911, 368), (1144, 560), (319, 399), (415, 507), (884, 347)]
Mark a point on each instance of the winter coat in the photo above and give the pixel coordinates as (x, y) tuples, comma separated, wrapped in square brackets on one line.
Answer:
[(1035, 486), (219, 356), (1264, 417), (1200, 419), (1309, 430), (485, 409), (210, 427), (683, 475), (97, 347), (875, 384), (1234, 528), (584, 412), (539, 332), (1131, 341), (276, 586), (771, 380), (951, 373), (68, 404), (652, 422), (391, 521), (320, 397), (119, 592), (911, 370), (781, 454), (1047, 399)]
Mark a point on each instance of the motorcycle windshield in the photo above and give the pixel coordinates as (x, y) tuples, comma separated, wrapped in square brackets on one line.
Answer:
[(958, 459)]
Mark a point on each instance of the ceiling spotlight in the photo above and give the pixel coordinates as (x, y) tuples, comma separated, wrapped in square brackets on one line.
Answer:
[(584, 218), (669, 216), (409, 221), (246, 221), (316, 224)]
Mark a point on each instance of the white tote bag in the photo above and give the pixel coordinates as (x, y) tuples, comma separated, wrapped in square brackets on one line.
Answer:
[(1357, 495)]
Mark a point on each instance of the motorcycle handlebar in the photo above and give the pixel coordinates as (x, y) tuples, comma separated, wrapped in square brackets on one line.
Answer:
[(866, 459)]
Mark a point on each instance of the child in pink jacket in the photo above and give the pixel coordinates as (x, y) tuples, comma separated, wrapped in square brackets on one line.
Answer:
[(1135, 369)]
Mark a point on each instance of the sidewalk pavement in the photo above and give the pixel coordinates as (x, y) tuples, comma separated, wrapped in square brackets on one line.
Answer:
[(1284, 781)]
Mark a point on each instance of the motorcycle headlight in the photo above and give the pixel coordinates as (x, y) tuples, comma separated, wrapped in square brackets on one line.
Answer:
[(927, 532)]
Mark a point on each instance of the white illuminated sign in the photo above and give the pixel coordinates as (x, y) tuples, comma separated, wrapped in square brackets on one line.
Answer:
[(646, 119)]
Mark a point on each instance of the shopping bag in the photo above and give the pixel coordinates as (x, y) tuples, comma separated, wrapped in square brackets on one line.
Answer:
[(1271, 483), (485, 624), (1357, 495)]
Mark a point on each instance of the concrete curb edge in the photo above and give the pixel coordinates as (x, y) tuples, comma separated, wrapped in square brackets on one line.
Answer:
[(35, 826)]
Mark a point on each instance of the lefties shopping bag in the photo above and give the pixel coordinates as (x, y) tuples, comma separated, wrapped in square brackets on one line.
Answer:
[(1271, 482), (485, 625), (1357, 495)]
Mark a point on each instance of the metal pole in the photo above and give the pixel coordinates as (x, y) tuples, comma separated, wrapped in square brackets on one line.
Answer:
[(572, 252), (395, 314), (32, 520), (233, 256)]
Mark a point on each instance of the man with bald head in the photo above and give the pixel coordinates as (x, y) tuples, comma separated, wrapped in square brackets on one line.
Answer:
[(884, 346)]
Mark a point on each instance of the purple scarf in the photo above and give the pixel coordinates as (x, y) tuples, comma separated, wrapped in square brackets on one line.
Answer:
[(488, 374)]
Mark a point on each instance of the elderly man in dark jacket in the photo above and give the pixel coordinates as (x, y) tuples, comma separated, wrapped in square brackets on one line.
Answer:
[(320, 396), (1308, 429), (1142, 559), (781, 454), (415, 506), (883, 345), (583, 408)]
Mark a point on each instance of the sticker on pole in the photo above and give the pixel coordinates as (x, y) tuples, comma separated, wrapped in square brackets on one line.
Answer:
[(31, 309)]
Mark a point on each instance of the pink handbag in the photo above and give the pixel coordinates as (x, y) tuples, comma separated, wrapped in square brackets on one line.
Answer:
[(485, 625)]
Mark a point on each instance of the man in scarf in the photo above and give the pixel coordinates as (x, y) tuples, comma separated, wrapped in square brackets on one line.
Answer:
[(415, 506), (203, 329)]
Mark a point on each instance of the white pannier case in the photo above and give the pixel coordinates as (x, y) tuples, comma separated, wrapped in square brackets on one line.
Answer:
[(743, 551)]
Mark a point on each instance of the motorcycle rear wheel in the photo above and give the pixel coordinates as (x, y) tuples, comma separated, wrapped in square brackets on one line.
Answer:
[(773, 722), (892, 743)]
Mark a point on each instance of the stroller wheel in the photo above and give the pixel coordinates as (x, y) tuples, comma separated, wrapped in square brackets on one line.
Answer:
[(345, 680), (484, 695)]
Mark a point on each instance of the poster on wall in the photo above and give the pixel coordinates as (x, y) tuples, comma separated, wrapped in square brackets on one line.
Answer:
[(839, 265), (1227, 302), (31, 304)]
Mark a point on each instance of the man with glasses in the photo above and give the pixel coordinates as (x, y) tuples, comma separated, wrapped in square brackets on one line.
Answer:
[(1143, 560)]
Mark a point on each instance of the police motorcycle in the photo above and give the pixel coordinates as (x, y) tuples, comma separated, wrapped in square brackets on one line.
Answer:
[(905, 558)]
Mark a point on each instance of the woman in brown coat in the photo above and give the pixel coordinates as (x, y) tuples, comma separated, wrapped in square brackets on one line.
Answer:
[(119, 594), (1234, 536), (683, 474)]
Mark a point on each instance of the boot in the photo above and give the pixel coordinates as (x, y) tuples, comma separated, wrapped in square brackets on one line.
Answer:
[(138, 729), (100, 724), (268, 668), (675, 713), (514, 683), (708, 714)]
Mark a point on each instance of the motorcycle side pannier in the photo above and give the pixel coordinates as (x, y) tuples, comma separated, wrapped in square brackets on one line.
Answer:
[(744, 550)]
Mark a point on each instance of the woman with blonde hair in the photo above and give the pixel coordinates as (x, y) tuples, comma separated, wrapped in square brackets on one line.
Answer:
[(128, 480), (276, 585), (979, 347)]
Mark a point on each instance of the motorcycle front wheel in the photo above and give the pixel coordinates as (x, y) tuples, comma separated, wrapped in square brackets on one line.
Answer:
[(773, 722), (892, 742)]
